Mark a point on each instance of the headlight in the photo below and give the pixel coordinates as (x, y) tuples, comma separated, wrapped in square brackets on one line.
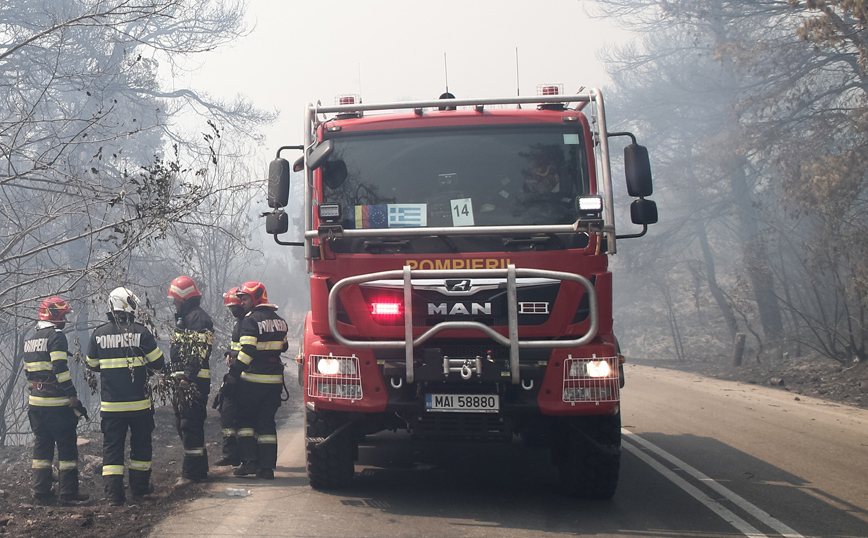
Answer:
[(598, 368), (332, 366), (592, 368)]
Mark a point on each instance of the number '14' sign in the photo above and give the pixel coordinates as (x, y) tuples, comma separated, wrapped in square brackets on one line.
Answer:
[(462, 212)]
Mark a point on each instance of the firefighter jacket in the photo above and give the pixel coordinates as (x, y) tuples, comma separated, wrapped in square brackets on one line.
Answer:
[(190, 351), (125, 354), (235, 344), (263, 339), (46, 367)]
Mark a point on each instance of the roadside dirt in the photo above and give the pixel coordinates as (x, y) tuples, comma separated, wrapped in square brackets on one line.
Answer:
[(20, 516), (811, 375)]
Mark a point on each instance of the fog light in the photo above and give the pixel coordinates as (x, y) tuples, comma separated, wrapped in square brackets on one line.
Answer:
[(340, 391), (573, 394)]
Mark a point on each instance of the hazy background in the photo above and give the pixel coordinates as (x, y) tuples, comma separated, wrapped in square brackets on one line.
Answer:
[(392, 50)]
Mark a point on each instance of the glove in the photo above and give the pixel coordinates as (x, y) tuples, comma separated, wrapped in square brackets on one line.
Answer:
[(218, 399), (80, 411)]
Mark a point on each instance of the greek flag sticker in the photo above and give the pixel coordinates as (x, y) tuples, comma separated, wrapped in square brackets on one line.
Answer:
[(408, 215)]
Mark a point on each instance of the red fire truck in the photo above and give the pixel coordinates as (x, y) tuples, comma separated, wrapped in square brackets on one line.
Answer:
[(458, 258)]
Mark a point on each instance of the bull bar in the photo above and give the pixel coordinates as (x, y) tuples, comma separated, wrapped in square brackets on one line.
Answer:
[(512, 341)]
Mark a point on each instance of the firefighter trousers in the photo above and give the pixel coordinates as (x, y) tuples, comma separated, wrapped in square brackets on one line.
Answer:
[(227, 425), (190, 414), (254, 421), (54, 426), (114, 428)]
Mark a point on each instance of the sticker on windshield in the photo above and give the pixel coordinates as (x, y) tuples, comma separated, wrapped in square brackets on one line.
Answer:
[(390, 216), (571, 139), (462, 212), (371, 216), (408, 215)]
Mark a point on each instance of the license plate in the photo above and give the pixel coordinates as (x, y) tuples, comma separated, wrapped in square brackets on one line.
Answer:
[(462, 403)]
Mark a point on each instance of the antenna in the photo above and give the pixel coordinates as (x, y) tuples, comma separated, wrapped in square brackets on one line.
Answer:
[(517, 89), (517, 85), (446, 72)]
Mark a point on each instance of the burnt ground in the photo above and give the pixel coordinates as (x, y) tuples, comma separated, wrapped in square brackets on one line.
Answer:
[(19, 516), (811, 375)]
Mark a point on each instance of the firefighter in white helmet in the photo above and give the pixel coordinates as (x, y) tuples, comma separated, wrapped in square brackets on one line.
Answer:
[(258, 372), (52, 404), (190, 355), (125, 354)]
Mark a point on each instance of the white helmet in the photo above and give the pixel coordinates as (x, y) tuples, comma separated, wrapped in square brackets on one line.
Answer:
[(123, 300)]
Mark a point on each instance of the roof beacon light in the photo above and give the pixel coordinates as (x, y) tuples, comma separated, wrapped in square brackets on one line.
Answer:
[(348, 99), (549, 89)]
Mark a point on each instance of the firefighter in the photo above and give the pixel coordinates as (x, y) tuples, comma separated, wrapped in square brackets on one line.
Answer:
[(52, 404), (190, 354), (543, 176), (258, 373), (125, 354), (225, 400)]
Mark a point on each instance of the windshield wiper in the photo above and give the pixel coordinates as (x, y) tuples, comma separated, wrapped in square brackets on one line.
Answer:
[(386, 245), (535, 242)]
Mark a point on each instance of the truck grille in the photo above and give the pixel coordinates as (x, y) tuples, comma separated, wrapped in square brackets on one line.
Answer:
[(462, 426)]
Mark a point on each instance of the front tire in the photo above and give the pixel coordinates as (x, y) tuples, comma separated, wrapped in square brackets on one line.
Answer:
[(329, 465), (588, 455)]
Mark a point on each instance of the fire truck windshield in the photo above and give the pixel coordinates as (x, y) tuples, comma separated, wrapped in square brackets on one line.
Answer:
[(457, 176)]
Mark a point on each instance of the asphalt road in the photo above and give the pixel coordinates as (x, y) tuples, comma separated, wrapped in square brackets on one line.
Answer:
[(702, 458)]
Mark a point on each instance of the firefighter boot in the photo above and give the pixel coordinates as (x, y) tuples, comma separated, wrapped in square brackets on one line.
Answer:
[(267, 474), (42, 482), (114, 489), (72, 498), (67, 479), (246, 468)]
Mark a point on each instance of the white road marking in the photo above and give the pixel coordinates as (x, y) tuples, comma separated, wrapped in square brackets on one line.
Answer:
[(740, 524)]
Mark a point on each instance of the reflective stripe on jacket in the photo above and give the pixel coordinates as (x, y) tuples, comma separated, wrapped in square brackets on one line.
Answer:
[(46, 367), (262, 339), (125, 354)]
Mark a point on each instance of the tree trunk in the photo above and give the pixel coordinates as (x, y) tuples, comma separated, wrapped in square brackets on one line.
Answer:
[(757, 263)]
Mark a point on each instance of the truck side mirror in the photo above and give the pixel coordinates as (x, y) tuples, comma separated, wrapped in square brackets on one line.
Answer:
[(318, 154), (643, 211), (278, 183), (277, 222), (637, 168)]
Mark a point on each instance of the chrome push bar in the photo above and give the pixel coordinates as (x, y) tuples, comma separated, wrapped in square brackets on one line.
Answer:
[(512, 341)]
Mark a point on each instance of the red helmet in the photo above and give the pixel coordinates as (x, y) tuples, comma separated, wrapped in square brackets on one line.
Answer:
[(256, 290), (182, 288), (54, 309), (231, 298)]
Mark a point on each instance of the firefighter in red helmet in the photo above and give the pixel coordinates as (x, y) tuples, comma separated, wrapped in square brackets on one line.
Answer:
[(189, 354), (225, 400), (52, 404), (259, 374)]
